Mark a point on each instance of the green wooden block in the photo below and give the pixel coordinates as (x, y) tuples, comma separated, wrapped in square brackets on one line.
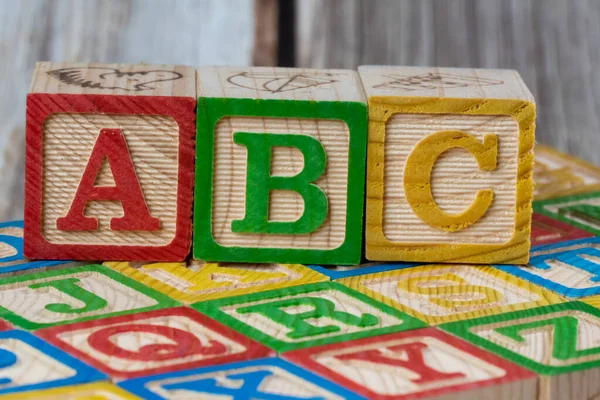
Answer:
[(280, 165), (580, 210), (307, 315), (57, 297)]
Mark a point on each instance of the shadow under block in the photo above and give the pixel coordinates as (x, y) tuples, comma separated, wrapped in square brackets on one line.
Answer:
[(417, 364), (307, 315), (437, 294), (109, 162), (90, 391), (280, 164), (201, 282), (449, 165), (336, 272), (581, 210), (557, 342)]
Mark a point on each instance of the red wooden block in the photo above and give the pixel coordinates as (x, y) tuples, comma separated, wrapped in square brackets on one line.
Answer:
[(5, 326), (109, 162), (422, 363), (153, 342), (546, 230)]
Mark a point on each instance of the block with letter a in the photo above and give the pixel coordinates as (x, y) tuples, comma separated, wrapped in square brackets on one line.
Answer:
[(109, 162), (449, 165), (279, 165)]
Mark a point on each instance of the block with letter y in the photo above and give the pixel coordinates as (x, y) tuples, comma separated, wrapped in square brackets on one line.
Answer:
[(280, 161), (557, 342)]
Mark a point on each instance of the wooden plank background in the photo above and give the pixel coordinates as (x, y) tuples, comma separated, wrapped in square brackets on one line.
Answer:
[(552, 43)]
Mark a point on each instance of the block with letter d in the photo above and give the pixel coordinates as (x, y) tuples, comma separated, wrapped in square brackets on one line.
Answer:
[(280, 161), (109, 162), (449, 165)]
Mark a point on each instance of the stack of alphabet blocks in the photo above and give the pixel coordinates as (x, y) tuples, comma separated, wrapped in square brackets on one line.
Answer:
[(268, 176)]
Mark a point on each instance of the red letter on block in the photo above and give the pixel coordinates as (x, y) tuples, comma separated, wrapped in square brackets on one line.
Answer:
[(112, 146)]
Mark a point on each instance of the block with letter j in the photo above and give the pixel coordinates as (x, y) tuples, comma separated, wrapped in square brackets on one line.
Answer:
[(280, 164)]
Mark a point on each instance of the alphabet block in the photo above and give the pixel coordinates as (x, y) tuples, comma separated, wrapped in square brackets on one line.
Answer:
[(267, 378), (50, 298), (571, 269), (208, 281), (443, 293), (581, 211), (109, 162), (95, 391), (153, 342), (336, 272), (417, 364), (306, 315), (558, 342), (557, 174), (28, 363), (449, 165), (280, 164), (546, 230)]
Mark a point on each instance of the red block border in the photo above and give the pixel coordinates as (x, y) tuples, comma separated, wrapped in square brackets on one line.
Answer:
[(42, 105), (572, 232)]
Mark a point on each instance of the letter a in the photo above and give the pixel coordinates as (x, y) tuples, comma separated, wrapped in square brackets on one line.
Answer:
[(112, 146)]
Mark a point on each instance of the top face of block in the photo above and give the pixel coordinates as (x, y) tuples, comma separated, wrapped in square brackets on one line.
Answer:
[(114, 79), (280, 84), (443, 82)]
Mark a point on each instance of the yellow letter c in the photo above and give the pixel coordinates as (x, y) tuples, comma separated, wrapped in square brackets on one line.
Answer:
[(417, 178)]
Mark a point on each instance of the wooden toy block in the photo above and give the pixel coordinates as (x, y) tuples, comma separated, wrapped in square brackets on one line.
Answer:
[(557, 342), (90, 391), (418, 364), (449, 164), (571, 269), (546, 230), (307, 315), (557, 174), (207, 281), (109, 162), (153, 342), (443, 293), (280, 164), (50, 298), (581, 211), (335, 272), (264, 379), (28, 363)]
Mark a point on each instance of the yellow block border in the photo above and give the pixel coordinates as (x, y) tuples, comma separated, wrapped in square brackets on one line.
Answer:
[(378, 247)]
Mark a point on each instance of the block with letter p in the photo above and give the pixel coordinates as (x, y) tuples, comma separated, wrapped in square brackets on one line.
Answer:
[(279, 165), (449, 165), (109, 162)]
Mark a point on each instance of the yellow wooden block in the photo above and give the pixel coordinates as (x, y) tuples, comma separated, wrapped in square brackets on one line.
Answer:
[(449, 165), (444, 293), (206, 281), (90, 391), (558, 174)]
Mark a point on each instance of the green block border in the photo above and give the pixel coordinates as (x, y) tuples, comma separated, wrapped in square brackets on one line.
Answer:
[(539, 207), (212, 308), (211, 110), (462, 330), (20, 322)]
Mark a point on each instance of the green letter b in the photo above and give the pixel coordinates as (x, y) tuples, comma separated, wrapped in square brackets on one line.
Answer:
[(259, 183)]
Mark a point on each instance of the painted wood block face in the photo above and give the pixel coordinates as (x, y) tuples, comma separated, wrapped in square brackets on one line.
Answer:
[(571, 269), (557, 342), (557, 174), (422, 363), (109, 162), (207, 281), (546, 230), (29, 363), (581, 211), (442, 293), (45, 299), (280, 164), (449, 165), (307, 315), (344, 271), (268, 378), (91, 391), (153, 342)]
